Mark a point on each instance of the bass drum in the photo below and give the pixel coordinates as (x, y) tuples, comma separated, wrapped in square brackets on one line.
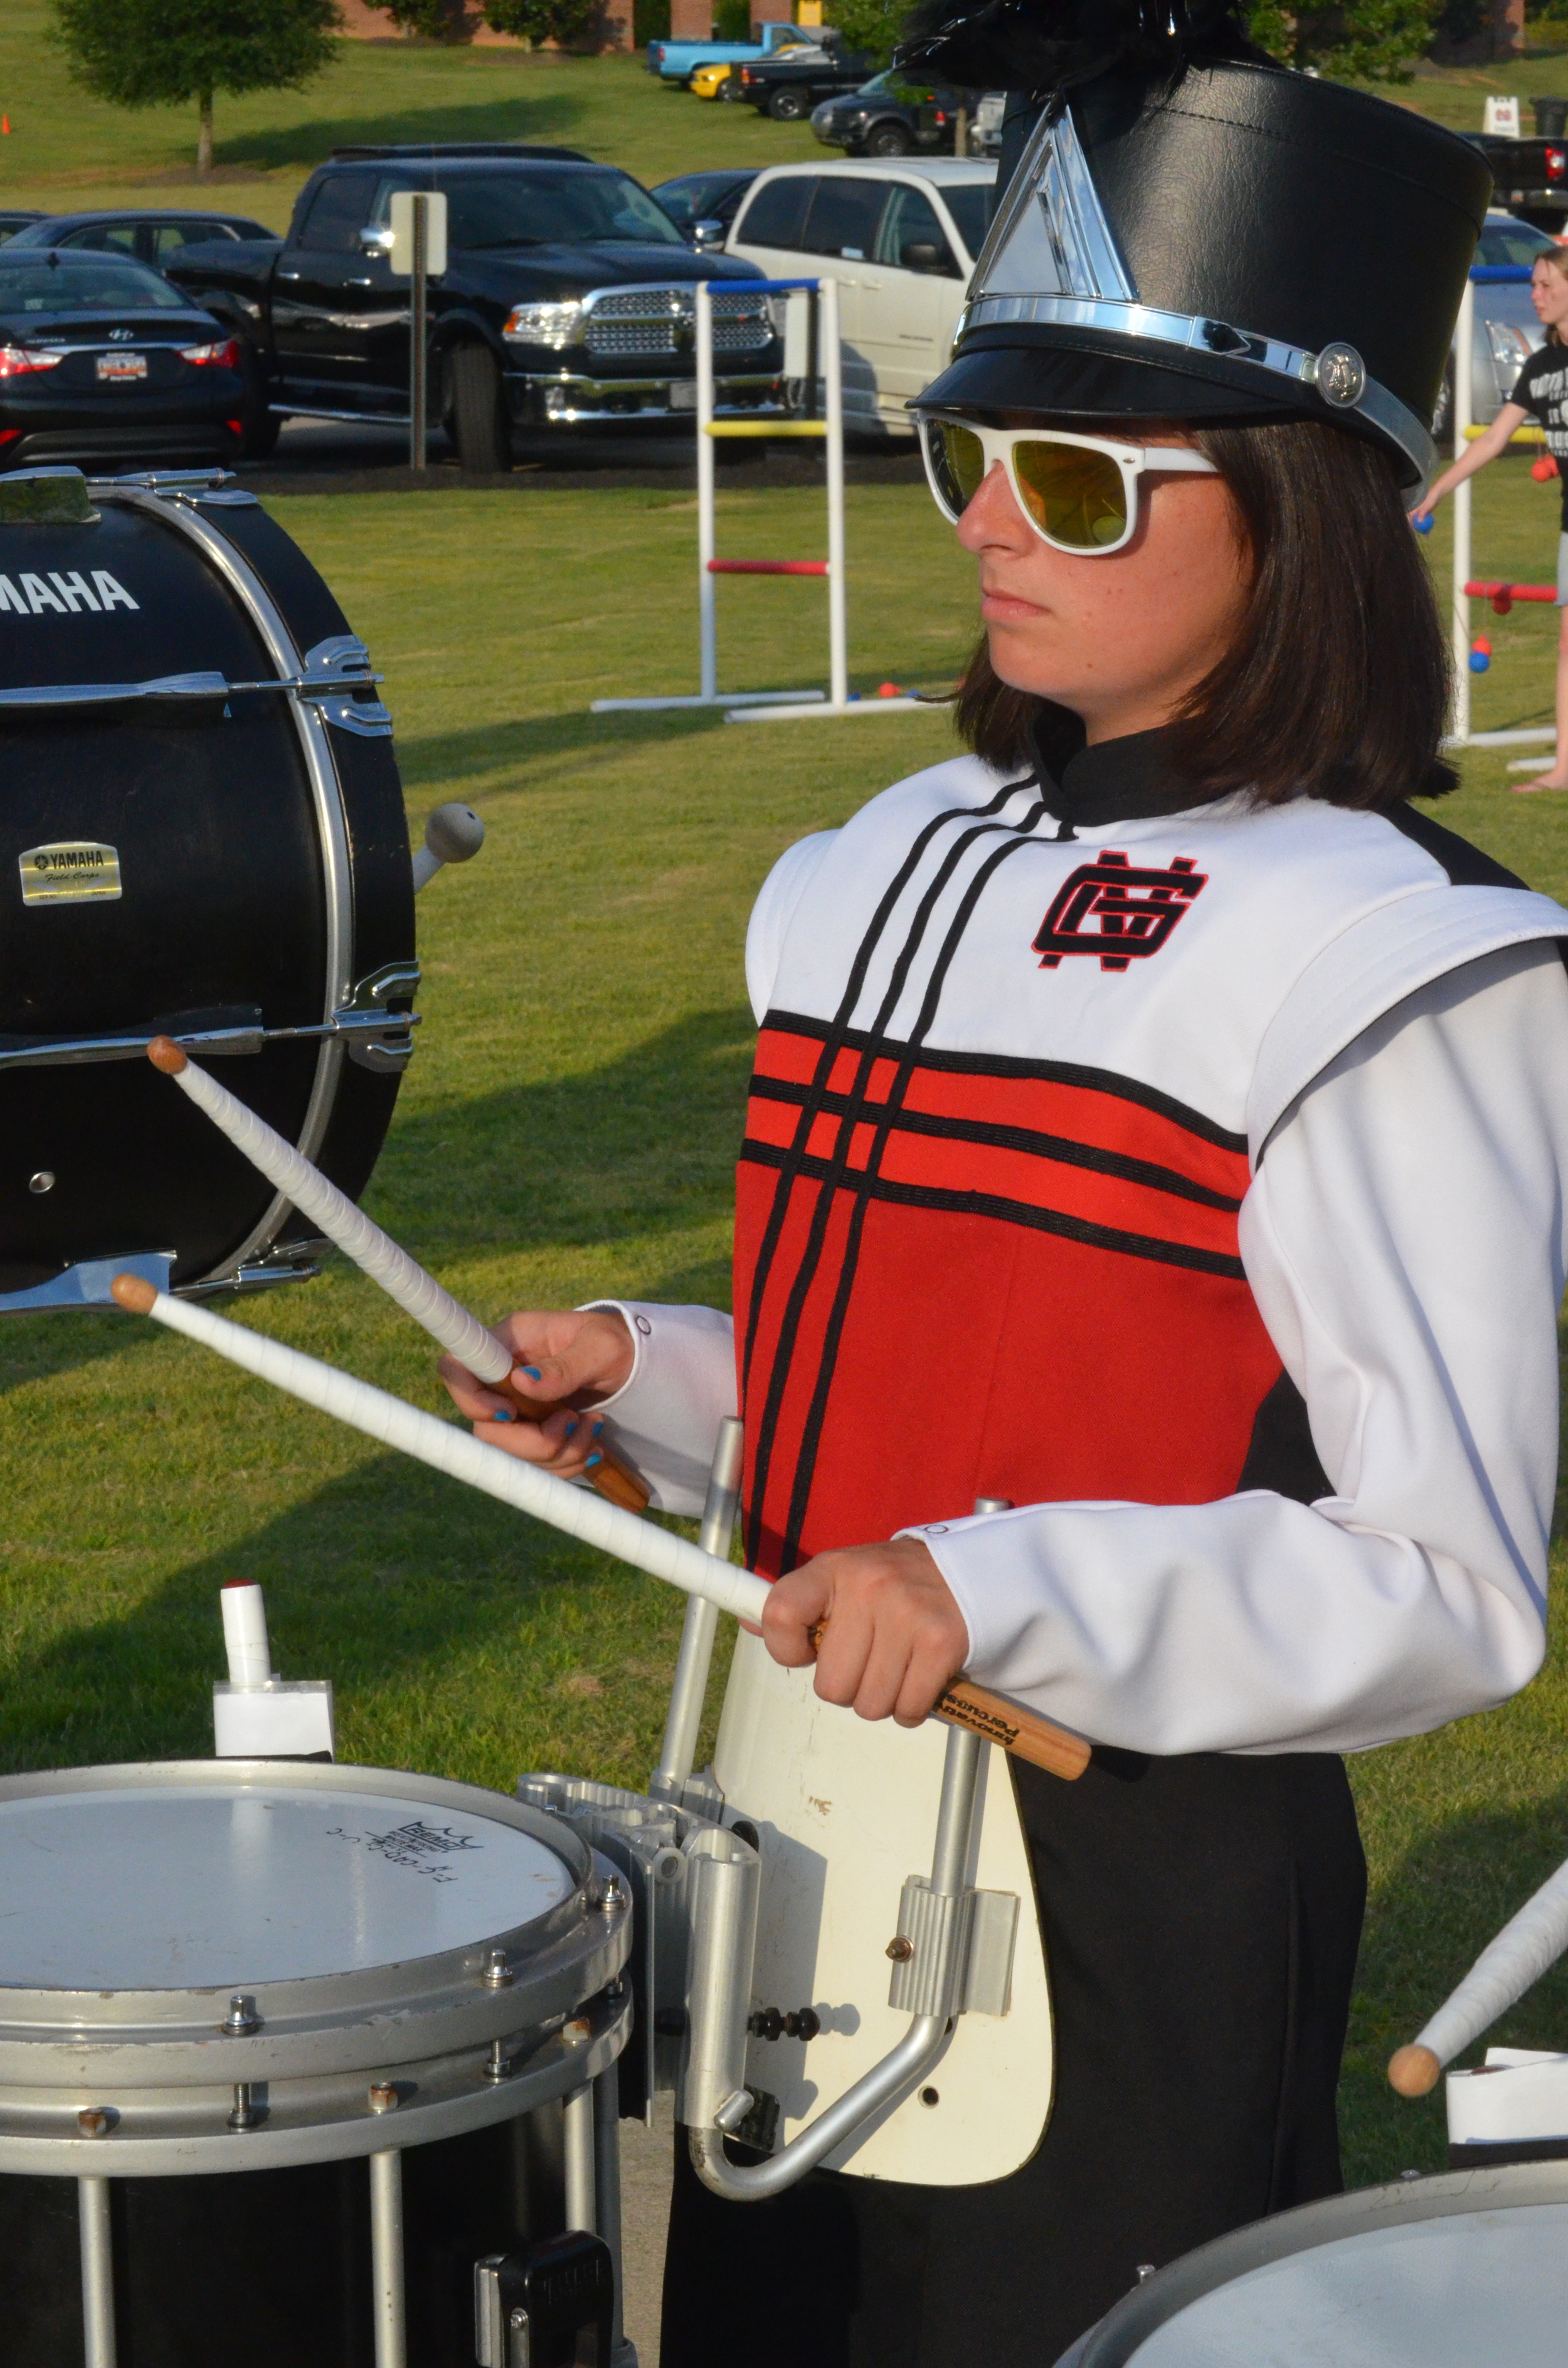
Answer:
[(202, 833), (1440, 2272)]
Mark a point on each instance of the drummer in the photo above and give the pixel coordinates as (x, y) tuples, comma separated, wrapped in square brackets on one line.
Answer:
[(1159, 1123)]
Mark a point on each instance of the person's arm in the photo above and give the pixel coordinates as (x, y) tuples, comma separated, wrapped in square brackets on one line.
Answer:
[(1485, 448), (1404, 1241)]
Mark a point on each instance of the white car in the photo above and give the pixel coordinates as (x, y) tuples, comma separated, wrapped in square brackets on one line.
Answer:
[(900, 238)]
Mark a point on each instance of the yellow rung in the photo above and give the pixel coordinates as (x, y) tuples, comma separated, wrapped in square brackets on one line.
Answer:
[(1521, 435), (768, 427)]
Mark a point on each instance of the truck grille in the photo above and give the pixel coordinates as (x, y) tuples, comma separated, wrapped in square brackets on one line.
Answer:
[(645, 322)]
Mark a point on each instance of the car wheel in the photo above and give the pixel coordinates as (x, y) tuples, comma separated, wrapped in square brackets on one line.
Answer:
[(888, 140), (260, 427), (478, 416), (787, 106)]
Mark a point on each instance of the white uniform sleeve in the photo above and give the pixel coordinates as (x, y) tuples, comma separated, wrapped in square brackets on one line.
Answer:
[(665, 1420), (1404, 1240), (771, 915)]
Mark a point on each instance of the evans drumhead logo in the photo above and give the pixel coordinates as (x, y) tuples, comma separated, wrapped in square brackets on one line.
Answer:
[(70, 872), (63, 594)]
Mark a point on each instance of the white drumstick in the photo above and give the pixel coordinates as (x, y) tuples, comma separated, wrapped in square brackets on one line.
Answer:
[(380, 1416), (1528, 1944), (357, 1237)]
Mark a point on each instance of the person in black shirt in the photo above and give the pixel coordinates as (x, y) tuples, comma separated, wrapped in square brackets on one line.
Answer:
[(1541, 390)]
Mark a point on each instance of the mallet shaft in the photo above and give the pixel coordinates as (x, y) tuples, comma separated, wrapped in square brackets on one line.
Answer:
[(1528, 1944), (419, 1295), (581, 1515)]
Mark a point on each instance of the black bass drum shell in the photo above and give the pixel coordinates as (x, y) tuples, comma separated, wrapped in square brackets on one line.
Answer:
[(263, 873)]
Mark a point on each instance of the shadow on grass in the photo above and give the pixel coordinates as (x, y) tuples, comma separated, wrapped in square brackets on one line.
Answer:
[(1427, 1924), (454, 756), (508, 116), (388, 1571)]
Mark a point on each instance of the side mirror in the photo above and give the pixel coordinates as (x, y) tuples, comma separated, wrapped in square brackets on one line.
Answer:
[(708, 236), (376, 242), (921, 254)]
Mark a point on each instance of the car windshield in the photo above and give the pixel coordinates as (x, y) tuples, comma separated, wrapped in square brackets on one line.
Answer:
[(99, 283), (970, 206), (694, 199), (1512, 241), (566, 206)]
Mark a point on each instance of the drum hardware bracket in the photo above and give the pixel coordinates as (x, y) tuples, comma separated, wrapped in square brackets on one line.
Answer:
[(524, 2303), (87, 1284), (769, 2023), (954, 1955)]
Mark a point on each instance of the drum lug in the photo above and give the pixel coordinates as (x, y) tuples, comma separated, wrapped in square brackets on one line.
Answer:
[(524, 2303)]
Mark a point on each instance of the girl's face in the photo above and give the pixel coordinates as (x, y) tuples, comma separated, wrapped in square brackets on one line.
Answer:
[(1120, 641), (1549, 291)]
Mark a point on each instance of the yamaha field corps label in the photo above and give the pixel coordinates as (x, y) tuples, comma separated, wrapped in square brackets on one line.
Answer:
[(70, 872), (31, 596)]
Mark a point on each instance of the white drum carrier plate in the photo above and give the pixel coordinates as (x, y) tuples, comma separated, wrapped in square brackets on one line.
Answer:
[(1457, 2271), (845, 1810), (216, 1963)]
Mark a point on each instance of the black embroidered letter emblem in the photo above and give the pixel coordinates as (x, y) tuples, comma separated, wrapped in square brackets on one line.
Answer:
[(1136, 911)]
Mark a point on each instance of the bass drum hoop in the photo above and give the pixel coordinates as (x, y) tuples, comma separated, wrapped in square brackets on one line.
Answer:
[(1117, 2340), (331, 829)]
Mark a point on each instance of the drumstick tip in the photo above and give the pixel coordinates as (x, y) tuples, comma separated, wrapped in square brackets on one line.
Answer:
[(166, 1054), (130, 1291), (1414, 2070)]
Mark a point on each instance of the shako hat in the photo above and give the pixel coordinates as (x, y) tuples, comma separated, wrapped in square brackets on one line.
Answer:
[(1192, 231)]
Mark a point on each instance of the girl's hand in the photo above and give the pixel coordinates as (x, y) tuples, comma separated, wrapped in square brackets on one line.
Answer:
[(559, 1353), (894, 1637), (1424, 510)]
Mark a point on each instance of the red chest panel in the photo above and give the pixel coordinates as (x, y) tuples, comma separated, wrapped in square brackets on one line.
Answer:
[(958, 1276)]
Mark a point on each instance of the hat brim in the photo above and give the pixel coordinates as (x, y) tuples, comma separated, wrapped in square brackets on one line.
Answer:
[(1074, 374)]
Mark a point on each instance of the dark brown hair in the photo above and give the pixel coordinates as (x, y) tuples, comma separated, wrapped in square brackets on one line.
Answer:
[(1337, 684)]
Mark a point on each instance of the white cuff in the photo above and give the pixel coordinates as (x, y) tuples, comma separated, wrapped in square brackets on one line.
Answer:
[(665, 1418)]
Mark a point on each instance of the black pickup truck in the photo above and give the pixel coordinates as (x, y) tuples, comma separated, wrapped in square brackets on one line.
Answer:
[(788, 86), (566, 302), (1531, 177)]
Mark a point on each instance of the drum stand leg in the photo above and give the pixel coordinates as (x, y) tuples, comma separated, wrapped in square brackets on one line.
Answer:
[(606, 2198), (99, 2348), (386, 2259), (578, 2127)]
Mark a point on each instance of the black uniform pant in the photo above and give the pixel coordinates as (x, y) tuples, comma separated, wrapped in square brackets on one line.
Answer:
[(1201, 1918)]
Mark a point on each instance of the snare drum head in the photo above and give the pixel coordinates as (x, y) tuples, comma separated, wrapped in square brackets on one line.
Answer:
[(1454, 2272), (222, 1885)]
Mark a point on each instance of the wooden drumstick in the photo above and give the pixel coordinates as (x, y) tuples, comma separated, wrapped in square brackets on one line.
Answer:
[(1528, 1944), (446, 1319), (646, 1545)]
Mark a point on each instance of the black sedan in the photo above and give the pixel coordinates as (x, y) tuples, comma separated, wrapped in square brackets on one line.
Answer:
[(15, 218), (151, 234), (100, 357)]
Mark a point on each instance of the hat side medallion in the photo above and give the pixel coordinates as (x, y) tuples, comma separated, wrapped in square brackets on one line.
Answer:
[(1340, 376)]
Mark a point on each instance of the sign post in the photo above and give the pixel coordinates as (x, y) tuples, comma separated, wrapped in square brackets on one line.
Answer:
[(419, 256)]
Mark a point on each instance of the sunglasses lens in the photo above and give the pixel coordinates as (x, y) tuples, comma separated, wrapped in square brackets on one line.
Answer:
[(958, 461), (1075, 495)]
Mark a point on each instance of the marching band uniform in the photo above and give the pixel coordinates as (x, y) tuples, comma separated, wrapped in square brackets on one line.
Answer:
[(1190, 1174)]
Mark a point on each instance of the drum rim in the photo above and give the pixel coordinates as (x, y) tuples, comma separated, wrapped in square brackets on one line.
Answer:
[(295, 2008), (1115, 2342)]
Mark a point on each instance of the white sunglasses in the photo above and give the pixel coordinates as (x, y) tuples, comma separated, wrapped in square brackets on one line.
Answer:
[(1079, 492)]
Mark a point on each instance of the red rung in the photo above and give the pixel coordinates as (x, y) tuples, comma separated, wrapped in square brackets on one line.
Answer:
[(1511, 591), (767, 567)]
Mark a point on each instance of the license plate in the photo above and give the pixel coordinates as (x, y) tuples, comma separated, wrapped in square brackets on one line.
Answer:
[(122, 366), (683, 395)]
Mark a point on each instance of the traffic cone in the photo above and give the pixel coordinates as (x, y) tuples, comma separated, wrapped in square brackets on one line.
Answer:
[(5, 123)]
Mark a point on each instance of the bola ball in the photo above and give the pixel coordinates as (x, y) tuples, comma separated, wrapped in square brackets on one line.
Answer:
[(1479, 654), (1422, 526)]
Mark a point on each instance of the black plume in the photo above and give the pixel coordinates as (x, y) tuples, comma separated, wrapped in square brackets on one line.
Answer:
[(1046, 45)]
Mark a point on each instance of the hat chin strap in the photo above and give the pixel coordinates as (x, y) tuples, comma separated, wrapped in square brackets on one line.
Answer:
[(1052, 259)]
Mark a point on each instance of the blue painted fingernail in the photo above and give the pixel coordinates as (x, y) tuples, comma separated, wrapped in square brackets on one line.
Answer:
[(591, 1461), (596, 1428), (570, 1426), (532, 1371), (501, 1414)]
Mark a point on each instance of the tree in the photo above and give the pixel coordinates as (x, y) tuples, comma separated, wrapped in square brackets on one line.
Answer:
[(433, 19), (543, 20), (167, 53), (873, 25), (1361, 41)]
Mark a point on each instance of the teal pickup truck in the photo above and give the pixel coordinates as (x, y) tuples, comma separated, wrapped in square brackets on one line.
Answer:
[(678, 60)]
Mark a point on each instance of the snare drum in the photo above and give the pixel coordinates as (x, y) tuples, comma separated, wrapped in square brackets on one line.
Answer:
[(1453, 2271), (222, 1986)]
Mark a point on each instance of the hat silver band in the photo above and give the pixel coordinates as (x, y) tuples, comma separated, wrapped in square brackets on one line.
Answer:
[(1215, 339)]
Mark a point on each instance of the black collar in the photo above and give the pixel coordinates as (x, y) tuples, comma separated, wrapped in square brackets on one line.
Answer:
[(1117, 780)]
